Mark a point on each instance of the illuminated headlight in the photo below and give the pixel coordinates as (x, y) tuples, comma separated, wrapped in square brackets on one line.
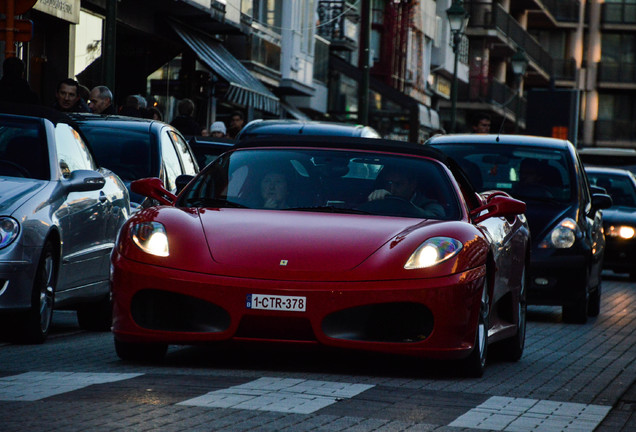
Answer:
[(622, 231), (9, 229), (151, 238), (432, 252), (562, 236)]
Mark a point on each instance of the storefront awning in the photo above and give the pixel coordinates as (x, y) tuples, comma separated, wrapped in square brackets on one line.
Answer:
[(245, 89)]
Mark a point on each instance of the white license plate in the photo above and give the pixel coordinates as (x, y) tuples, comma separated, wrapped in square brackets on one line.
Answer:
[(275, 302)]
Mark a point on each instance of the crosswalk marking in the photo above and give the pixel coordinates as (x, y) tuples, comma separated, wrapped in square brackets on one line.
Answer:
[(32, 386), (279, 394), (524, 415)]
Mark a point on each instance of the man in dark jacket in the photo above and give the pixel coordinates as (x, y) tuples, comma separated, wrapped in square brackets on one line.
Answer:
[(101, 101), (13, 87), (184, 122), (67, 97)]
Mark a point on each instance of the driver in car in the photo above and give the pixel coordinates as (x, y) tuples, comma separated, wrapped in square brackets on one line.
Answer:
[(401, 185)]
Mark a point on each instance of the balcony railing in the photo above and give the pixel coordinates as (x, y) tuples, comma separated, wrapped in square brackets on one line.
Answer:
[(564, 69), (491, 16), (619, 13), (334, 16), (564, 10), (616, 72), (491, 91), (615, 130)]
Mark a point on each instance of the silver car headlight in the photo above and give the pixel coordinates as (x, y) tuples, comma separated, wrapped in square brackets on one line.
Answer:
[(625, 232), (151, 237), (432, 252), (9, 230), (562, 236)]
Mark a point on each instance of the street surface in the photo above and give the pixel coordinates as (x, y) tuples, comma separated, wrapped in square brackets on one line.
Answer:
[(571, 378)]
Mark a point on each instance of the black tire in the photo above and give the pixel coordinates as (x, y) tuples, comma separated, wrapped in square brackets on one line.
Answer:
[(594, 304), (96, 316), (512, 348), (36, 322), (140, 352), (475, 364)]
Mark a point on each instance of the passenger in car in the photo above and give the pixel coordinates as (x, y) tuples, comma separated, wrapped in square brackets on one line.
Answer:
[(274, 190), (398, 183)]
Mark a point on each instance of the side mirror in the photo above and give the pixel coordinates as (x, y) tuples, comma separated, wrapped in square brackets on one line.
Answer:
[(597, 190), (601, 201), (152, 187), (84, 180), (498, 205)]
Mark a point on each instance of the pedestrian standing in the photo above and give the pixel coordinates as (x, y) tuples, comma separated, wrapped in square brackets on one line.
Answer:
[(13, 87), (184, 122), (237, 121), (217, 130), (67, 97), (101, 101)]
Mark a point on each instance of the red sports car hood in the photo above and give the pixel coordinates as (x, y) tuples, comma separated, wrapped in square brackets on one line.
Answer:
[(268, 243)]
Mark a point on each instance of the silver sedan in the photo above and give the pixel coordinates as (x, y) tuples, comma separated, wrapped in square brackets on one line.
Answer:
[(59, 217)]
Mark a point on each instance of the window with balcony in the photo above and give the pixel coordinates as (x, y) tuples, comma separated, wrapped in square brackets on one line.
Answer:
[(618, 57), (265, 12), (619, 12)]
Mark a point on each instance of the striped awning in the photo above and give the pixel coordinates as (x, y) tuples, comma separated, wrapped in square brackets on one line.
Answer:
[(244, 88)]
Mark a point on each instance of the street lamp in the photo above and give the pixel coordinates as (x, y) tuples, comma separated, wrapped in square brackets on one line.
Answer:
[(519, 63), (457, 19)]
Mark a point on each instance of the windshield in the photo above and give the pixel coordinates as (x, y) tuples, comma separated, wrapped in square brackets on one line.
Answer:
[(620, 187), (527, 173), (125, 152), (326, 181)]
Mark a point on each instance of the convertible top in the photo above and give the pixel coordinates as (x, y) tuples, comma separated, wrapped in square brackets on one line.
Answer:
[(372, 144)]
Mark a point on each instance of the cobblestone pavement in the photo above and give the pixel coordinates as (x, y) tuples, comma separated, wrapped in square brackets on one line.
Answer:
[(571, 378)]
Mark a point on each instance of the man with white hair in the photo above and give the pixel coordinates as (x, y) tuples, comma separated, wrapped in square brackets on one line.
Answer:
[(101, 101)]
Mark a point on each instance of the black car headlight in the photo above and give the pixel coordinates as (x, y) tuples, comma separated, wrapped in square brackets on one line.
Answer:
[(151, 237), (9, 230), (624, 232), (562, 236), (432, 252)]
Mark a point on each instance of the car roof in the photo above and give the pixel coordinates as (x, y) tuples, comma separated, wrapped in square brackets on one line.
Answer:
[(301, 127), (211, 141), (344, 142), (36, 111), (120, 122), (499, 139), (608, 170)]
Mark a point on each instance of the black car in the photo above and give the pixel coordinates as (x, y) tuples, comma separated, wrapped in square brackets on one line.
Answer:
[(565, 217), (262, 128), (619, 221), (207, 149), (136, 148)]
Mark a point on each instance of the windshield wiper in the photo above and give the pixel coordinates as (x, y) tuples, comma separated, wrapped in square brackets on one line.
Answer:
[(329, 209)]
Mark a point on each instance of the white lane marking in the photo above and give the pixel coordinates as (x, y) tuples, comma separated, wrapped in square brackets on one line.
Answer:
[(524, 415), (279, 394), (32, 386)]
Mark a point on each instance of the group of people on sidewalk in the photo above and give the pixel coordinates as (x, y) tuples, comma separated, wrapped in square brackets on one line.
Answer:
[(71, 96)]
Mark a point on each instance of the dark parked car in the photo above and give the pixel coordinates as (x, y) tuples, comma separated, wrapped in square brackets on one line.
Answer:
[(564, 215), (297, 127), (207, 149), (136, 148), (59, 216), (619, 220), (624, 158)]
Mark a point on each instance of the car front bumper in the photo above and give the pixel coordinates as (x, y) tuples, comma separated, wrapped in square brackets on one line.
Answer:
[(434, 318)]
